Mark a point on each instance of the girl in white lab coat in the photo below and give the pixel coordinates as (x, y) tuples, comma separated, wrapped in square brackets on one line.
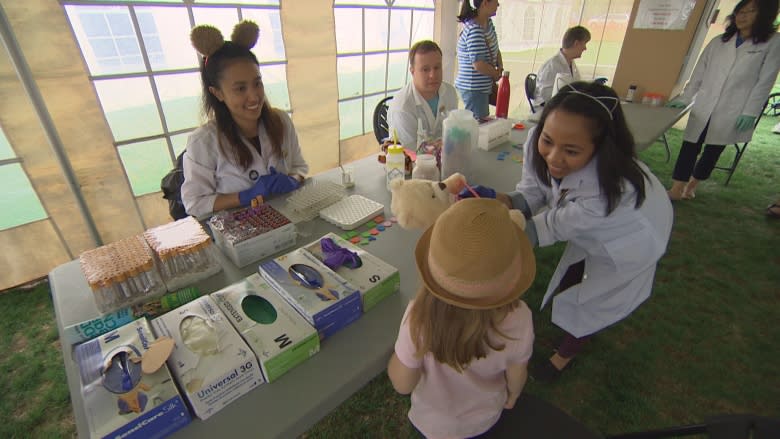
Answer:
[(729, 86), (583, 184), (248, 150)]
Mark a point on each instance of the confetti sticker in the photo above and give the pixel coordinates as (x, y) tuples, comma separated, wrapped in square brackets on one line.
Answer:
[(372, 238), (366, 234), (379, 219), (387, 224), (393, 219), (374, 232), (355, 240), (351, 234), (365, 242), (380, 227), (370, 224)]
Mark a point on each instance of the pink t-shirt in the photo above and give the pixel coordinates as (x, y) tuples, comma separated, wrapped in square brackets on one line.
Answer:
[(449, 404)]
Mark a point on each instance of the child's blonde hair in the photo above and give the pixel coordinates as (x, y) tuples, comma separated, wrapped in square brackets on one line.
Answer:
[(455, 336)]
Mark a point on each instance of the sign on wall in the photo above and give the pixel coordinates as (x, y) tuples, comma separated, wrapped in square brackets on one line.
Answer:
[(663, 14)]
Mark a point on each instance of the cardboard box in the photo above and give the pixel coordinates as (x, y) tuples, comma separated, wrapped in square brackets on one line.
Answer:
[(119, 399), (269, 233), (329, 305), (280, 337), (375, 278), (211, 362)]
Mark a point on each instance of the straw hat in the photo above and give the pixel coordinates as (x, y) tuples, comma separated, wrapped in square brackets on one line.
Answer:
[(474, 256)]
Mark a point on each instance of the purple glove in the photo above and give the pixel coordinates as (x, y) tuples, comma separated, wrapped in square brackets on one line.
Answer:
[(281, 183), (336, 256), (482, 191), (260, 188)]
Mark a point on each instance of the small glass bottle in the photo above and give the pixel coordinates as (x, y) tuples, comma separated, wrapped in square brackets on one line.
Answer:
[(425, 168)]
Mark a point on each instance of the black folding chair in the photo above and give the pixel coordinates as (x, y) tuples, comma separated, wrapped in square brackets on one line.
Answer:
[(772, 106), (530, 90), (381, 128), (716, 427)]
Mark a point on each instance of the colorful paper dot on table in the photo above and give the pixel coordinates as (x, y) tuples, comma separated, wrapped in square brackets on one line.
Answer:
[(379, 219), (374, 232), (393, 219), (388, 224), (365, 242), (380, 227), (372, 238), (352, 233), (370, 224), (355, 239), (365, 234)]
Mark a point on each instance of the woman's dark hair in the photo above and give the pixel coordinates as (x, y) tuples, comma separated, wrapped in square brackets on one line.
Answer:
[(764, 26), (211, 69), (467, 12), (614, 144)]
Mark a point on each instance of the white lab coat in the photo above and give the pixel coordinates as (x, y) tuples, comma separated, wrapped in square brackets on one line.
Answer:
[(408, 106), (729, 81), (208, 172), (545, 79), (620, 250)]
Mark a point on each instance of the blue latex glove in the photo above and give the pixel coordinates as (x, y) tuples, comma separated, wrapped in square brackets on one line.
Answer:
[(260, 188), (745, 122), (482, 191), (281, 183), (675, 104)]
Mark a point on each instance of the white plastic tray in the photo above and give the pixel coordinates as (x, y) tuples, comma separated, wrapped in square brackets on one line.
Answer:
[(351, 211)]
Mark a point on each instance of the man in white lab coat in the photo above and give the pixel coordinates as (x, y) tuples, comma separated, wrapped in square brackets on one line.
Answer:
[(425, 100), (729, 87), (575, 41)]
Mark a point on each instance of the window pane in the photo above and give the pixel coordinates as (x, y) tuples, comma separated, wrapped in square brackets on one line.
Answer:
[(350, 118), (417, 3), (376, 29), (222, 18), (180, 97), (6, 152), (166, 34), (398, 70), (375, 73), (595, 11), (107, 39), (423, 26), (179, 143), (146, 163), (362, 2), (270, 46), (19, 203), (275, 83), (400, 26), (368, 115), (129, 107), (350, 71), (349, 24), (243, 2)]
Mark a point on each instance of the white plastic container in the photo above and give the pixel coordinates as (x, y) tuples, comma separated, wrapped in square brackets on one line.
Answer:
[(425, 168), (461, 134), (394, 163)]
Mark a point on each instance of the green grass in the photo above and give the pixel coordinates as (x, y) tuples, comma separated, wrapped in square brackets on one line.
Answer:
[(704, 343)]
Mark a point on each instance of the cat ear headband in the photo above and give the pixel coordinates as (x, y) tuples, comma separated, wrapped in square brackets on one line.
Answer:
[(207, 39), (605, 101)]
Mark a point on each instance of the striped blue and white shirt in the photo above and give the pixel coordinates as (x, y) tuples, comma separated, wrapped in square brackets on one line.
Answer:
[(476, 43)]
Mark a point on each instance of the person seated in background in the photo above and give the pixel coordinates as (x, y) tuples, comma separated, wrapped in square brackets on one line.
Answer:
[(247, 150), (426, 98), (575, 41)]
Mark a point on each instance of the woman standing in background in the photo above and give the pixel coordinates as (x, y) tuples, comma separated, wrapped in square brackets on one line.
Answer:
[(729, 86), (479, 59)]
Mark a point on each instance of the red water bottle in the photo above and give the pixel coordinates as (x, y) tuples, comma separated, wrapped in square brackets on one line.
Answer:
[(502, 97)]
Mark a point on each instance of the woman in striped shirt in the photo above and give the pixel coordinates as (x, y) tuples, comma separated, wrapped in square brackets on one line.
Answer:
[(479, 59)]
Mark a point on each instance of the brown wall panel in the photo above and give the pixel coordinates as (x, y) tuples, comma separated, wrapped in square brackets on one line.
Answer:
[(36, 250)]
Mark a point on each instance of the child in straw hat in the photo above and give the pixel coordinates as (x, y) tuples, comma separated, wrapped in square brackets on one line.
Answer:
[(465, 340)]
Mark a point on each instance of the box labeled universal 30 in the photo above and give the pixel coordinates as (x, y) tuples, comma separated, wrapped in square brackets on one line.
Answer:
[(211, 362), (375, 278), (323, 298), (120, 400), (280, 337)]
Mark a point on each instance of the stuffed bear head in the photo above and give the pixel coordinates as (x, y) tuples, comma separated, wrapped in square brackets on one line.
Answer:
[(417, 203)]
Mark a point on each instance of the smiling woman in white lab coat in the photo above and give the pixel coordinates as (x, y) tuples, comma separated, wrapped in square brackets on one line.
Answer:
[(729, 86), (583, 184)]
